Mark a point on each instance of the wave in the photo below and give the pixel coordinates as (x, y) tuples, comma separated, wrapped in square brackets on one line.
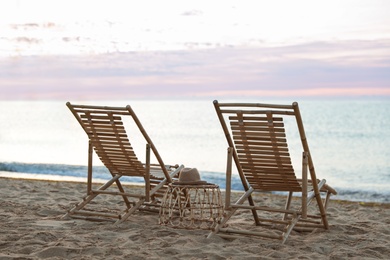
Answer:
[(79, 172), (99, 172)]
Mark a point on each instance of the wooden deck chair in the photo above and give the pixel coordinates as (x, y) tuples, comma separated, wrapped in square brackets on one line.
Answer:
[(257, 144), (108, 138)]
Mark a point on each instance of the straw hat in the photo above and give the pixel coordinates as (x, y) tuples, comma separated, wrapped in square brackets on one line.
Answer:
[(189, 176)]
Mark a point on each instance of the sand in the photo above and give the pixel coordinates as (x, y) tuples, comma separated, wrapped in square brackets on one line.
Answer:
[(31, 228)]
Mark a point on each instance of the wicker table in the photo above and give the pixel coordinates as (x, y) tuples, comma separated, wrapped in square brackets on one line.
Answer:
[(191, 206)]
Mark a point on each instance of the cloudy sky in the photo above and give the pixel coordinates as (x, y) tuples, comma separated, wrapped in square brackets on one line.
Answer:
[(186, 49)]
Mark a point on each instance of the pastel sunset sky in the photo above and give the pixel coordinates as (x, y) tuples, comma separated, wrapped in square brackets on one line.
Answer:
[(118, 49)]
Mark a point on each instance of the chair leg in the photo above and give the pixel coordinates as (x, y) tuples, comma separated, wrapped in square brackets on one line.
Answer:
[(288, 204), (290, 227), (321, 205), (228, 178), (91, 196), (147, 173), (327, 199), (223, 222), (80, 205), (231, 212), (325, 203), (125, 199), (130, 211)]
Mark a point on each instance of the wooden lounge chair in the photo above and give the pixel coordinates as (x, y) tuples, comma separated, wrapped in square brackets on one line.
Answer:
[(257, 144), (108, 138)]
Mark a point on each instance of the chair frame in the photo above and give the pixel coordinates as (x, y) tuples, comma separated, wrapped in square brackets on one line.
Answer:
[(86, 115), (309, 186)]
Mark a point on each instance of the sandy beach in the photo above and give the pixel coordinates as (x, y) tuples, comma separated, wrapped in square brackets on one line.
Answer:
[(32, 228)]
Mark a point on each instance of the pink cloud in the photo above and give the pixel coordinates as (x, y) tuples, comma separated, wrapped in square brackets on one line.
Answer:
[(303, 70)]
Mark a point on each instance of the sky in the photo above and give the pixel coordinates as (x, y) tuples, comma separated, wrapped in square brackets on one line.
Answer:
[(120, 49)]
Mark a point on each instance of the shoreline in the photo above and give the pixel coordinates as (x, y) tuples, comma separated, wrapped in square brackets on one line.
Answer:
[(70, 179), (32, 228), (80, 180)]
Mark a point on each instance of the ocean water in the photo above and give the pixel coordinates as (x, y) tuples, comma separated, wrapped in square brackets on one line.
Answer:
[(349, 141)]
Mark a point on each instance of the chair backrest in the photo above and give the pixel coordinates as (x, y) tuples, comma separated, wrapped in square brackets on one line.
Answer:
[(107, 135), (260, 150)]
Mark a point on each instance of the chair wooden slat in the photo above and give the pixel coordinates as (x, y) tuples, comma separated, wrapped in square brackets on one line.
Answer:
[(259, 134)]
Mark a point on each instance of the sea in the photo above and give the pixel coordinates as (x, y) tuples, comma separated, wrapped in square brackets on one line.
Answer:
[(349, 141)]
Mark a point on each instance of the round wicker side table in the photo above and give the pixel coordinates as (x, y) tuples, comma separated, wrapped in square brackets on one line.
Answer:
[(191, 206)]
